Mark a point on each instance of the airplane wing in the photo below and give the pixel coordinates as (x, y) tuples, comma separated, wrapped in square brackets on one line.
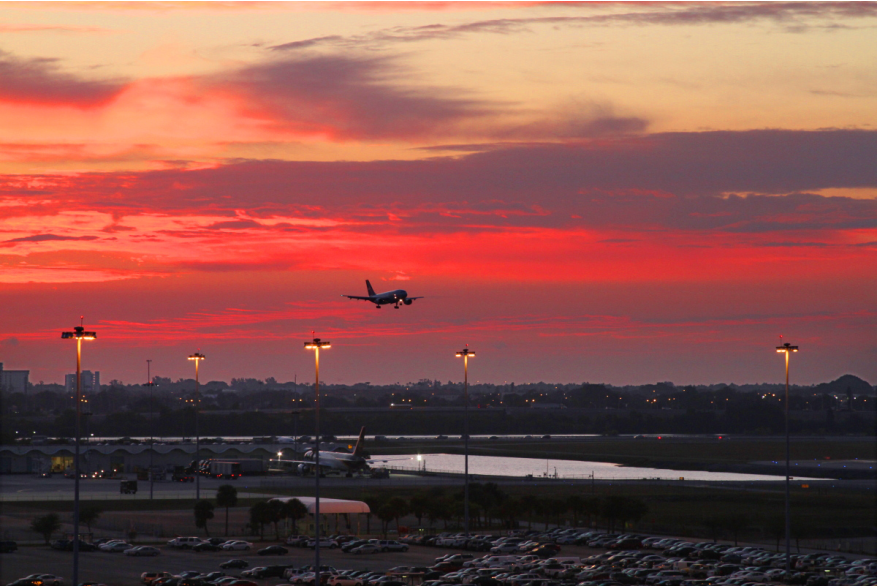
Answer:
[(356, 297)]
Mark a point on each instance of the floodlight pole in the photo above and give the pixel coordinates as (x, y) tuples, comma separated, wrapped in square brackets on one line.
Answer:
[(786, 349), (466, 353), (316, 345), (197, 357), (152, 426), (78, 333)]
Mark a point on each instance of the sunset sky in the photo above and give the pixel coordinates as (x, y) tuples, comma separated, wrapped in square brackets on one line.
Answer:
[(622, 193)]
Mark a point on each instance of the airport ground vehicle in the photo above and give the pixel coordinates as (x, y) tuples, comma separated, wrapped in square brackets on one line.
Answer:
[(225, 469), (182, 475)]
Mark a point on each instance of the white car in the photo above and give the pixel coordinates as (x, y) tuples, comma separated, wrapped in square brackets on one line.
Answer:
[(116, 546), (237, 545), (142, 551)]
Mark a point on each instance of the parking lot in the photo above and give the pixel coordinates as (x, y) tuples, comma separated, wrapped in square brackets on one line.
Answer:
[(555, 557), (118, 569)]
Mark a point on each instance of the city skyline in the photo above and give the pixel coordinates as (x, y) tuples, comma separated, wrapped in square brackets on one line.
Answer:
[(624, 193)]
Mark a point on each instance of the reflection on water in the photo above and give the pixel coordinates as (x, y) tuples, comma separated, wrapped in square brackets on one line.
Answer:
[(521, 467)]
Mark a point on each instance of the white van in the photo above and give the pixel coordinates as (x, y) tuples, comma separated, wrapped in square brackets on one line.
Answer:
[(184, 542)]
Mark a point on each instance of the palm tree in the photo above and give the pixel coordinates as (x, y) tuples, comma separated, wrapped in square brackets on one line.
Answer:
[(226, 497), (203, 513), (259, 517)]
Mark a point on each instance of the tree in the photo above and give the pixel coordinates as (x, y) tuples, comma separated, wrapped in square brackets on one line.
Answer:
[(735, 524), (714, 525), (530, 505), (610, 510), (633, 510), (276, 513), (259, 516), (400, 509), (203, 513), (622, 509), (46, 525), (295, 511), (390, 510), (419, 505), (374, 502), (576, 505), (776, 525), (226, 497), (89, 515)]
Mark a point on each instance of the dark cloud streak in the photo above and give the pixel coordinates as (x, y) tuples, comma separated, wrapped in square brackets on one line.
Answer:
[(794, 16), (41, 81)]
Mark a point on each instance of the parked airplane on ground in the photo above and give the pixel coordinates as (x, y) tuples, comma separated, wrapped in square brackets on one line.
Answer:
[(388, 297), (344, 462)]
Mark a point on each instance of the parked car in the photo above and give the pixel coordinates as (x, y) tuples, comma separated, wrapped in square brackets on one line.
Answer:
[(119, 546), (207, 547), (274, 549), (149, 577), (237, 545), (234, 563), (142, 551), (8, 546), (184, 542), (367, 548)]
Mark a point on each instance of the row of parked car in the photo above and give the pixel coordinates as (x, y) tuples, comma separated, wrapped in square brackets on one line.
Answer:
[(679, 563), (348, 543)]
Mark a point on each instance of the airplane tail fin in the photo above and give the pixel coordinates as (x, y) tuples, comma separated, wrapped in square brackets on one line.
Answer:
[(360, 443), (371, 290)]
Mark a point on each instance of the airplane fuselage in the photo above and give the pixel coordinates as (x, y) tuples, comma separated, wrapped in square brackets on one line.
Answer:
[(390, 297)]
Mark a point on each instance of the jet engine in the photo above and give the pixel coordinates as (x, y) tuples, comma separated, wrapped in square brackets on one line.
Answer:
[(304, 470), (408, 302)]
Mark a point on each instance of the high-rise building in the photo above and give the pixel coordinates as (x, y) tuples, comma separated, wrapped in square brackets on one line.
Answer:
[(90, 382), (13, 381)]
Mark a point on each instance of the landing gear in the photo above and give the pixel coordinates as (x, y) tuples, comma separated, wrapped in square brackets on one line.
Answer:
[(396, 306), (378, 307)]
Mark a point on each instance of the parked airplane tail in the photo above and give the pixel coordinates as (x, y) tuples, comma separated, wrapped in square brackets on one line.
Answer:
[(371, 290), (360, 442)]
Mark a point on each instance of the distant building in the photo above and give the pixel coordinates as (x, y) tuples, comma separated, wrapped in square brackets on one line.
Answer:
[(13, 381), (90, 382)]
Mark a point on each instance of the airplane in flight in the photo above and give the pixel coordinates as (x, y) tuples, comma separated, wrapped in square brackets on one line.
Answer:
[(358, 461), (394, 297)]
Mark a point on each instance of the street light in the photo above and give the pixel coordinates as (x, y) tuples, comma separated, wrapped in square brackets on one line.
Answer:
[(315, 345), (466, 353), (197, 357), (150, 385), (786, 349), (79, 334)]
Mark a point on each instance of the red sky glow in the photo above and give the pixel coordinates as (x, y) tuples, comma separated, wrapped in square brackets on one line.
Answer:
[(625, 193)]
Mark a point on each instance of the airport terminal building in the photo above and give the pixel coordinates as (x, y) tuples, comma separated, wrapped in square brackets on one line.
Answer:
[(122, 458)]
